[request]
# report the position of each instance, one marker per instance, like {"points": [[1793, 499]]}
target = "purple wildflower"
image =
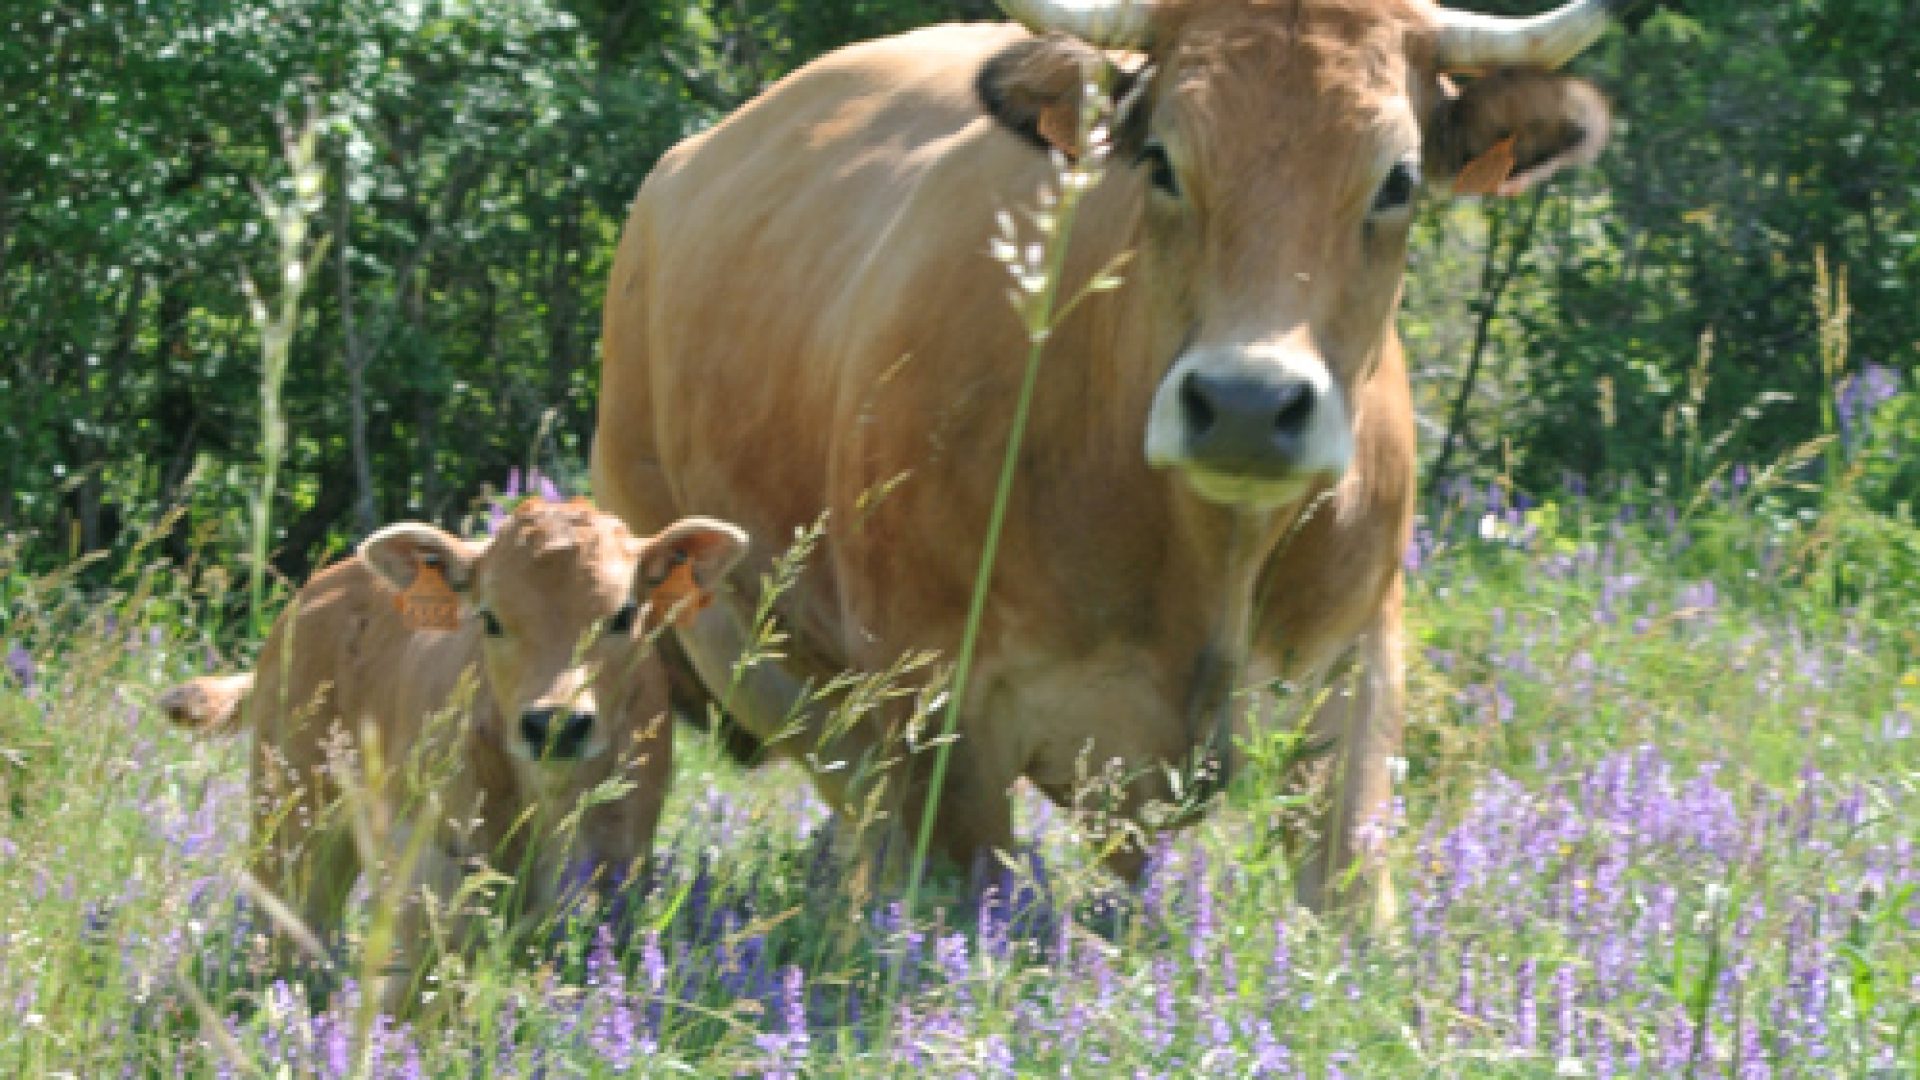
{"points": [[20, 665], [1860, 395], [1270, 1057], [787, 1049], [1526, 1026], [614, 1033], [1566, 1028]]}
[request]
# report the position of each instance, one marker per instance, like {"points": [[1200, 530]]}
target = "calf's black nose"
{"points": [[562, 740]]}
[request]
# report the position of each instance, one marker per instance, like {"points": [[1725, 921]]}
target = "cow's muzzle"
{"points": [[1249, 426], [556, 734]]}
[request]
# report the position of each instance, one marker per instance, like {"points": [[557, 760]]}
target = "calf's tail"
{"points": [[210, 703]]}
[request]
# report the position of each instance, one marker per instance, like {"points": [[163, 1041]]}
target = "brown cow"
{"points": [[804, 316], [499, 700]]}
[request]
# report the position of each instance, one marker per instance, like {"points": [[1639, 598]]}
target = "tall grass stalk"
{"points": [[1832, 309], [277, 319], [1038, 269]]}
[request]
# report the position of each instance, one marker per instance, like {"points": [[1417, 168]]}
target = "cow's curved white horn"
{"points": [[1106, 24], [1468, 40]]}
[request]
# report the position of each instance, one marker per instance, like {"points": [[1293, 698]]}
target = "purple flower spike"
{"points": [[1860, 396], [787, 1049], [20, 665]]}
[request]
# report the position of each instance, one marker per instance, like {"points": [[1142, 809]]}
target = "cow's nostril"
{"points": [[534, 726], [573, 734], [1296, 409], [1194, 406]]}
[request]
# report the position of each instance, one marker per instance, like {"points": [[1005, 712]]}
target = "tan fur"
{"points": [[210, 704], [802, 312], [341, 666]]}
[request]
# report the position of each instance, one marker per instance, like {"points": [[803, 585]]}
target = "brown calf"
{"points": [[468, 697]]}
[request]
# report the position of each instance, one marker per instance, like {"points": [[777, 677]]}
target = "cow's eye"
{"points": [[1159, 168], [622, 620], [490, 623], [1396, 191]]}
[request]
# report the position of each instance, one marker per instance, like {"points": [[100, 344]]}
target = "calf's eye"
{"points": [[622, 620], [490, 623]]}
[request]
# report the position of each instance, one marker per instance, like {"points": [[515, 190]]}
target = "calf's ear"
{"points": [[399, 553], [682, 565], [1511, 129]]}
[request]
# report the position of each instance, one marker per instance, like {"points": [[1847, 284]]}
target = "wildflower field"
{"points": [[1660, 815], [1659, 800]]}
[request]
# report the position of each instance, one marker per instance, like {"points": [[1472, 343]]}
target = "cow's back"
{"points": [[776, 269]]}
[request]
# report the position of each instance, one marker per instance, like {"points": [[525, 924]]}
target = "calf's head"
{"points": [[564, 602], [1273, 150]]}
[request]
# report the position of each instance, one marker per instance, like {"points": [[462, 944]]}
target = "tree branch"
{"points": [[1492, 288]]}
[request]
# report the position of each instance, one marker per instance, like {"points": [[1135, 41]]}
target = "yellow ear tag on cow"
{"points": [[1486, 174], [679, 595], [429, 603]]}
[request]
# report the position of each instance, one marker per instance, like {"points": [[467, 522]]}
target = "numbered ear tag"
{"points": [[1486, 174], [679, 595], [429, 603]]}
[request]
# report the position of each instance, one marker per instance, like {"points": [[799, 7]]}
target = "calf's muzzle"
{"points": [[556, 734]]}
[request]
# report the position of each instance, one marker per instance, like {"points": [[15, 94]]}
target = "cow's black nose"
{"points": [[561, 742], [1245, 422]]}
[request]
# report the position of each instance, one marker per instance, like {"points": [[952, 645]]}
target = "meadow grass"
{"points": [[1659, 817]]}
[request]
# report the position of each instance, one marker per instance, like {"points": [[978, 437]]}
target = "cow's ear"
{"points": [[1511, 129], [682, 565], [1035, 88], [398, 554]]}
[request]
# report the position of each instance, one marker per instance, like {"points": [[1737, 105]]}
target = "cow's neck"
{"points": [[1243, 545]]}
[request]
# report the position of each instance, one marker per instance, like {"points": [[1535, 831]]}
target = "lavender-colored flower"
{"points": [[1270, 1056], [614, 1030], [1566, 1028], [786, 1049], [997, 1056], [1465, 995], [1860, 396], [1699, 596], [951, 954], [1600, 1050], [1676, 1045], [1166, 1010], [20, 665], [1526, 1026]]}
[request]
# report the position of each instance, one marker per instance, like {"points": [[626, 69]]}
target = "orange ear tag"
{"points": [[429, 603], [679, 595], [1486, 174]]}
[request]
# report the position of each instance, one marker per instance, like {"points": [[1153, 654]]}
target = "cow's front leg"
{"points": [[1353, 739]]}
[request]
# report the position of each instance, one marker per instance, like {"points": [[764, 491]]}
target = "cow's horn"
{"points": [[1106, 24], [1471, 41]]}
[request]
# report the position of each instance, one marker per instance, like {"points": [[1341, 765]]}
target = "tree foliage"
{"points": [[479, 158]]}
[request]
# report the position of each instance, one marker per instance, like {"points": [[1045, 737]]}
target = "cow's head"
{"points": [[565, 601], [1277, 147]]}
